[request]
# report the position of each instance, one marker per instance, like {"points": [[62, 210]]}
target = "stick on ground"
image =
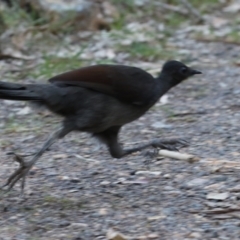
{"points": [[178, 155]]}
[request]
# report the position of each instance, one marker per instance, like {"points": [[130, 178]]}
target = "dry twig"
{"points": [[178, 155]]}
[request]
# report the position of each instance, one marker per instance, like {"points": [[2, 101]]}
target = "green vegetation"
{"points": [[148, 51], [52, 65], [49, 32]]}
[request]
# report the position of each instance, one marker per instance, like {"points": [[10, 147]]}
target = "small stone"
{"points": [[164, 99], [60, 156], [156, 173], [114, 235], [217, 196], [122, 179], [195, 235], [160, 125], [168, 188], [153, 236], [167, 176], [9, 102], [24, 111], [103, 211], [235, 188], [153, 218], [50, 173], [13, 218], [64, 224], [65, 178], [196, 182], [32, 172], [73, 190], [78, 225], [104, 183], [75, 180], [232, 8]]}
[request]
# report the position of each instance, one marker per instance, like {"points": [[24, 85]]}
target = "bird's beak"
{"points": [[193, 72]]}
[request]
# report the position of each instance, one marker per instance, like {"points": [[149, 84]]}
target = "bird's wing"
{"points": [[129, 84]]}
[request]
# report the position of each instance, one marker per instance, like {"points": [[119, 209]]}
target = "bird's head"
{"points": [[177, 72]]}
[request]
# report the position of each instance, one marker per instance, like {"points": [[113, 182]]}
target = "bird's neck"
{"points": [[163, 85]]}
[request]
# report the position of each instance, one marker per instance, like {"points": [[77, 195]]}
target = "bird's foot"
{"points": [[170, 144], [149, 155], [20, 173]]}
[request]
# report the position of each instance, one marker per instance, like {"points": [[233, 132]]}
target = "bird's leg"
{"points": [[110, 137], [24, 167], [169, 144]]}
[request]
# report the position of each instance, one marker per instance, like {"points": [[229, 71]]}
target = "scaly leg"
{"points": [[24, 167], [110, 137]]}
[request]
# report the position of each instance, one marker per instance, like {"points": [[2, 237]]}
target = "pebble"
{"points": [[195, 235], [217, 196]]}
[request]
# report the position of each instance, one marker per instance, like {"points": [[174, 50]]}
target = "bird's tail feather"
{"points": [[14, 91]]}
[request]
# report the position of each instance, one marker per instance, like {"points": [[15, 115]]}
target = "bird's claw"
{"points": [[20, 173], [170, 144]]}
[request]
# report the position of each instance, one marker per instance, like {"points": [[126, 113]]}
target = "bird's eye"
{"points": [[183, 70]]}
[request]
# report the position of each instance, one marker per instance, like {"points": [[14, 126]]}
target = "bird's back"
{"points": [[128, 84]]}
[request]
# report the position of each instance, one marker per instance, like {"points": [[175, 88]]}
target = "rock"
{"points": [[138, 181], [217, 196], [105, 183], [217, 22], [164, 99], [159, 125], [63, 224], [196, 182], [75, 180], [195, 235], [155, 173], [24, 111], [167, 176], [103, 211], [9, 102], [113, 235], [233, 7], [235, 188], [153, 236], [60, 156], [65, 178], [73, 190], [78, 225], [154, 218], [64, 6], [49, 173]]}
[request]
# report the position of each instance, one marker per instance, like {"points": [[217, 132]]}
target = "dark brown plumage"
{"points": [[100, 100]]}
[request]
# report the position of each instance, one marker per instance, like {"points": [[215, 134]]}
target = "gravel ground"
{"points": [[77, 191]]}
